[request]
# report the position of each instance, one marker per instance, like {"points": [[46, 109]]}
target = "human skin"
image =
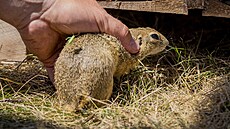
{"points": [[45, 24]]}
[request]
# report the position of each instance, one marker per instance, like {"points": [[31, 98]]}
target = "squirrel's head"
{"points": [[151, 41]]}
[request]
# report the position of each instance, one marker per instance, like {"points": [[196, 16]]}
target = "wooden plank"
{"points": [[209, 7], [11, 46], [216, 8], [164, 6], [195, 4]]}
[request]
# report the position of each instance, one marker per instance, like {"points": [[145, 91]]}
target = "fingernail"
{"points": [[134, 46]]}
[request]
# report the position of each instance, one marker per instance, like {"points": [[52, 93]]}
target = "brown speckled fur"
{"points": [[86, 66]]}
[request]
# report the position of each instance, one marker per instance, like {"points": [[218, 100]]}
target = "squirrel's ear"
{"points": [[139, 39]]}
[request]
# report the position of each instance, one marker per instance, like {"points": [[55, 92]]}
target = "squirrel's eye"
{"points": [[155, 36]]}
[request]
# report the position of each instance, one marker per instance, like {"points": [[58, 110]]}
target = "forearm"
{"points": [[20, 12]]}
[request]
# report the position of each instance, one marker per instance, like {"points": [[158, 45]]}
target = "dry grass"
{"points": [[167, 91]]}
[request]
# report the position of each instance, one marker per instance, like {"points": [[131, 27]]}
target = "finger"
{"points": [[118, 29], [41, 41]]}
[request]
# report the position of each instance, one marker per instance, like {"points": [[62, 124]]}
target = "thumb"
{"points": [[116, 28]]}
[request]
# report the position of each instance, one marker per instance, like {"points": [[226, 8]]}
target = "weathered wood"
{"points": [[195, 4], [216, 8], [164, 6], [11, 46], [209, 7]]}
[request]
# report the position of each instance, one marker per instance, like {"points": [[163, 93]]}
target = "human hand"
{"points": [[45, 33]]}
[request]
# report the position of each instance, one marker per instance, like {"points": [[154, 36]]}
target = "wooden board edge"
{"points": [[163, 6]]}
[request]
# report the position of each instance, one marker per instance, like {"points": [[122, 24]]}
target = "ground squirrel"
{"points": [[86, 66]]}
